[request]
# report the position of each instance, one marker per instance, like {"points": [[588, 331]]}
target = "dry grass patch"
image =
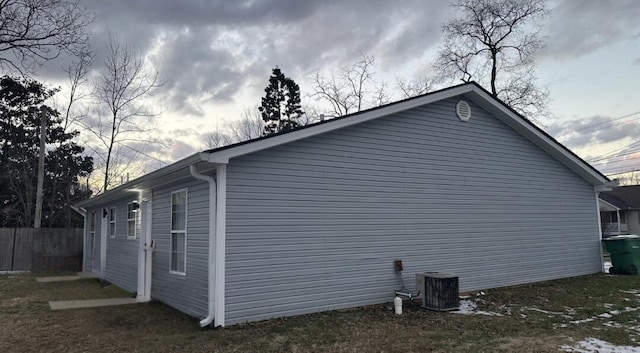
{"points": [[534, 318]]}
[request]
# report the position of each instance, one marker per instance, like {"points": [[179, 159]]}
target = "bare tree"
{"points": [[494, 42], [219, 137], [33, 32], [77, 73], [216, 139], [412, 88], [248, 127], [352, 89], [121, 89]]}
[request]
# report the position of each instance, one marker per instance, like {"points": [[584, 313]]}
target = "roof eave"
{"points": [[338, 123], [141, 182], [472, 91]]}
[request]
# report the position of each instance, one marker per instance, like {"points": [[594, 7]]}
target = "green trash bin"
{"points": [[625, 254]]}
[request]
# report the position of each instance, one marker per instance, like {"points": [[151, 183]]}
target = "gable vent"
{"points": [[463, 110]]}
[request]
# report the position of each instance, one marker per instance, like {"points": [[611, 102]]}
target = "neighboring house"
{"points": [[312, 219], [620, 211]]}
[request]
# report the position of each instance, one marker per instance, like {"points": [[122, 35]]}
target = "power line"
{"points": [[613, 153], [593, 127], [617, 158], [142, 153]]}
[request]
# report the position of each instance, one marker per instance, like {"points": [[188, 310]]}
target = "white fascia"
{"points": [[606, 186]]}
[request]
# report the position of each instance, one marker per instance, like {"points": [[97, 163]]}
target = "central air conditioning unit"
{"points": [[439, 290]]}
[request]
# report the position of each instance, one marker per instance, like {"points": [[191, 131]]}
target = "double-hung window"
{"points": [[179, 231], [132, 219], [112, 222]]}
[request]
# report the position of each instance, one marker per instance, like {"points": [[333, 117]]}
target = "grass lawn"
{"points": [[540, 317]]}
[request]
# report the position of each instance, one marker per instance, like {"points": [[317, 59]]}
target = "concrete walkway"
{"points": [[90, 303], [78, 276]]}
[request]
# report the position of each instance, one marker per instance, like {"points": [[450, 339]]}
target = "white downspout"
{"points": [[83, 213], [212, 243]]}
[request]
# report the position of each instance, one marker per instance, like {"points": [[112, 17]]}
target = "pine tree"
{"points": [[22, 102], [281, 107]]}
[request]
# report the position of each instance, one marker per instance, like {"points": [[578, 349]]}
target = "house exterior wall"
{"points": [[315, 224], [633, 221], [121, 267], [188, 292]]}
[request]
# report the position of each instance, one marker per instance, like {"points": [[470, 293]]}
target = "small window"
{"points": [[112, 222], [623, 217], [132, 220], [179, 231]]}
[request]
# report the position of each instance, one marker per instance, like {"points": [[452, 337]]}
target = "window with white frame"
{"points": [[132, 219], [178, 231], [112, 222]]}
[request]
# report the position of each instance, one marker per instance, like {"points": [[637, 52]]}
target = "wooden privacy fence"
{"points": [[44, 249]]}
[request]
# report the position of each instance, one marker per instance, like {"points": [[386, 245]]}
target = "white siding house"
{"points": [[312, 219]]}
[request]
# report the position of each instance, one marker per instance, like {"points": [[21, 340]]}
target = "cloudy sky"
{"points": [[215, 58]]}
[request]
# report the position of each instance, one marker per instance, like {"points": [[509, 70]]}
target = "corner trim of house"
{"points": [[599, 229], [221, 235], [145, 251]]}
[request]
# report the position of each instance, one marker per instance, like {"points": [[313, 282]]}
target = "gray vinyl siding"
{"points": [[187, 293], [315, 224], [122, 252]]}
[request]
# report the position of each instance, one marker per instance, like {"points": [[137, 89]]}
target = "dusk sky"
{"points": [[215, 58]]}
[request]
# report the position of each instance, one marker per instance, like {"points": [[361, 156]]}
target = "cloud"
{"points": [[180, 150], [577, 28], [593, 130], [209, 51]]}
